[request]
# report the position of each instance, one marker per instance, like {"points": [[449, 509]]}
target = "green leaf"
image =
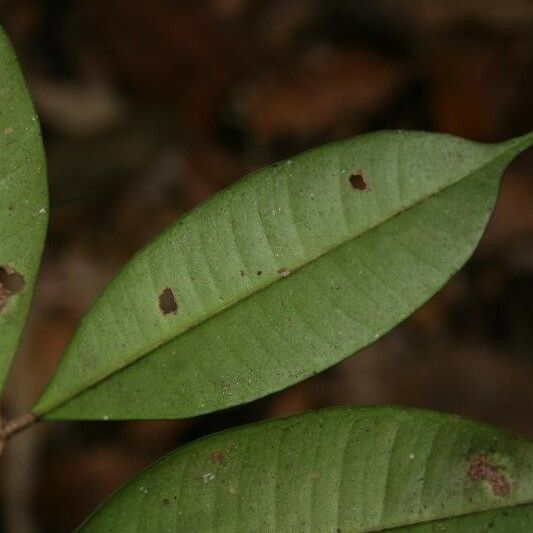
{"points": [[23, 203], [341, 469], [282, 275]]}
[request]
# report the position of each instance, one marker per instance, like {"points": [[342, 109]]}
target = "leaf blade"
{"points": [[353, 469], [23, 203], [255, 247]]}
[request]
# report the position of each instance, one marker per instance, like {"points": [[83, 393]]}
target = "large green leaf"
{"points": [[23, 203], [341, 469], [292, 269]]}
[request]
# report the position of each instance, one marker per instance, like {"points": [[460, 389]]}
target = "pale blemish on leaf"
{"points": [[208, 476]]}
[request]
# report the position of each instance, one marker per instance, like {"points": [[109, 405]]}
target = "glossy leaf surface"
{"points": [[341, 469], [292, 269], [23, 203]]}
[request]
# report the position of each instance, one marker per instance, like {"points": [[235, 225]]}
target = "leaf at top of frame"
{"points": [[290, 270]]}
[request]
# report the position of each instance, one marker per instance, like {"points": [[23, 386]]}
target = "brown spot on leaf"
{"points": [[11, 283], [482, 468], [166, 502], [259, 272], [167, 302], [357, 181], [218, 457]]}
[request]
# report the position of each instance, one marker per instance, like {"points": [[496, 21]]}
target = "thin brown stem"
{"points": [[11, 427]]}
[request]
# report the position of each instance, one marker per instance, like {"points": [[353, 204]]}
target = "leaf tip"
{"points": [[519, 144]]}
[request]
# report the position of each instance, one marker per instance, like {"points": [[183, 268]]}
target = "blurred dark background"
{"points": [[150, 106]]}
